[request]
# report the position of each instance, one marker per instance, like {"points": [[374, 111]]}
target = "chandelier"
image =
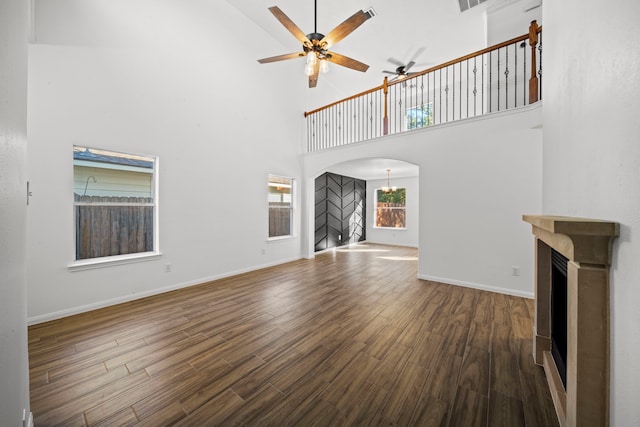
{"points": [[389, 188]]}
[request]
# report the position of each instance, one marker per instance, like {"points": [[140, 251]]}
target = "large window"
{"points": [[391, 209], [114, 203], [420, 116], [280, 206]]}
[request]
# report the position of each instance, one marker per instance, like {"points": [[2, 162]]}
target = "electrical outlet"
{"points": [[167, 268], [515, 270]]}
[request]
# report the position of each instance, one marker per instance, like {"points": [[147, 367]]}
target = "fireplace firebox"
{"points": [[559, 313]]}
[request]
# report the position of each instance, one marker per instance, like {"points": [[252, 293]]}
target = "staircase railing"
{"points": [[500, 77]]}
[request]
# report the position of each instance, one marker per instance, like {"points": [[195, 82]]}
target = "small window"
{"points": [[391, 208], [420, 116], [280, 206], [114, 203]]}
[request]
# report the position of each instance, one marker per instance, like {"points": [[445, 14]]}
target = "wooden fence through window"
{"points": [[107, 226], [392, 215], [279, 219]]}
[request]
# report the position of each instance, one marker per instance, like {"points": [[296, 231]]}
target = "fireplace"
{"points": [[571, 328], [559, 265]]}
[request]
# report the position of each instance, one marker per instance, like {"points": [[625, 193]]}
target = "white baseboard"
{"points": [[126, 298], [473, 285]]}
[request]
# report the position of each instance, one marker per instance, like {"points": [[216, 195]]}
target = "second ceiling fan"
{"points": [[315, 46]]}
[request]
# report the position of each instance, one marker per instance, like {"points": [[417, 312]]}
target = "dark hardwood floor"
{"points": [[350, 338]]}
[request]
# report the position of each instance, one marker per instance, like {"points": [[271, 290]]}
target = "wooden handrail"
{"points": [[357, 95], [534, 30]]}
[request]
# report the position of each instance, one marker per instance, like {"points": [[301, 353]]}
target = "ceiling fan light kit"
{"points": [[315, 45]]}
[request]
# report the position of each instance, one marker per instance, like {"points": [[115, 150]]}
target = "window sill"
{"points": [[390, 228], [275, 239], [93, 263]]}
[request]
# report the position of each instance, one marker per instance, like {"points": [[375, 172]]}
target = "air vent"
{"points": [[468, 4], [370, 12]]}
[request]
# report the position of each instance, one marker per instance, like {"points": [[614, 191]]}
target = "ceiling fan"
{"points": [[402, 70], [315, 46]]}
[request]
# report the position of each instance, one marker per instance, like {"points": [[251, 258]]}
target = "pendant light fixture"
{"points": [[389, 188]]}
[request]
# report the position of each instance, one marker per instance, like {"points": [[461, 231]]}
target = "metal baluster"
{"points": [[460, 93], [506, 77], [482, 86], [446, 92], [440, 85], [490, 80], [475, 85], [540, 65], [515, 75], [421, 96], [429, 102], [453, 101]]}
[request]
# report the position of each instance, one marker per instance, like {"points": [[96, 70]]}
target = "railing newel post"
{"points": [[533, 81], [385, 119]]}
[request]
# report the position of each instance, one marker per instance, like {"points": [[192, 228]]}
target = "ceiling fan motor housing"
{"points": [[316, 45]]}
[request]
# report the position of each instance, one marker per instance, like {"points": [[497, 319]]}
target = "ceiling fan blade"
{"points": [[389, 72], [345, 28], [281, 57], [345, 61], [313, 79], [409, 65], [289, 25], [418, 53], [396, 62]]}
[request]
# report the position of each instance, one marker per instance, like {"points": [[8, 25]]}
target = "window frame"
{"points": [[290, 208], [375, 210], [110, 260]]}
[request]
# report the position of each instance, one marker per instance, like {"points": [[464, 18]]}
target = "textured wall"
{"points": [[591, 163]]}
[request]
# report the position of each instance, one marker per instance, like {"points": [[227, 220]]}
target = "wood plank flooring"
{"points": [[350, 338]]}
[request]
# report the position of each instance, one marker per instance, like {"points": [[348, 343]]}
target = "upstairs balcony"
{"points": [[501, 77]]}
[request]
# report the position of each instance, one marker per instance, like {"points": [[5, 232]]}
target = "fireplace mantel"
{"points": [[581, 240], [587, 244]]}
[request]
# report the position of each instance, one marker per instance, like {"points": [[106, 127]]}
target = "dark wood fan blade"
{"points": [[344, 29], [313, 79], [281, 57], [289, 25], [345, 61]]}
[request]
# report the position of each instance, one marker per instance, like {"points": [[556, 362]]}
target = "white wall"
{"points": [[168, 79], [14, 374], [592, 156], [508, 19], [477, 177], [400, 237]]}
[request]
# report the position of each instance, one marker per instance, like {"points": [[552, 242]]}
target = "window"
{"points": [[280, 206], [391, 208], [114, 203], [420, 116]]}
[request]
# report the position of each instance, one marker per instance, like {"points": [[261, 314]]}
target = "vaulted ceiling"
{"points": [[436, 30]]}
